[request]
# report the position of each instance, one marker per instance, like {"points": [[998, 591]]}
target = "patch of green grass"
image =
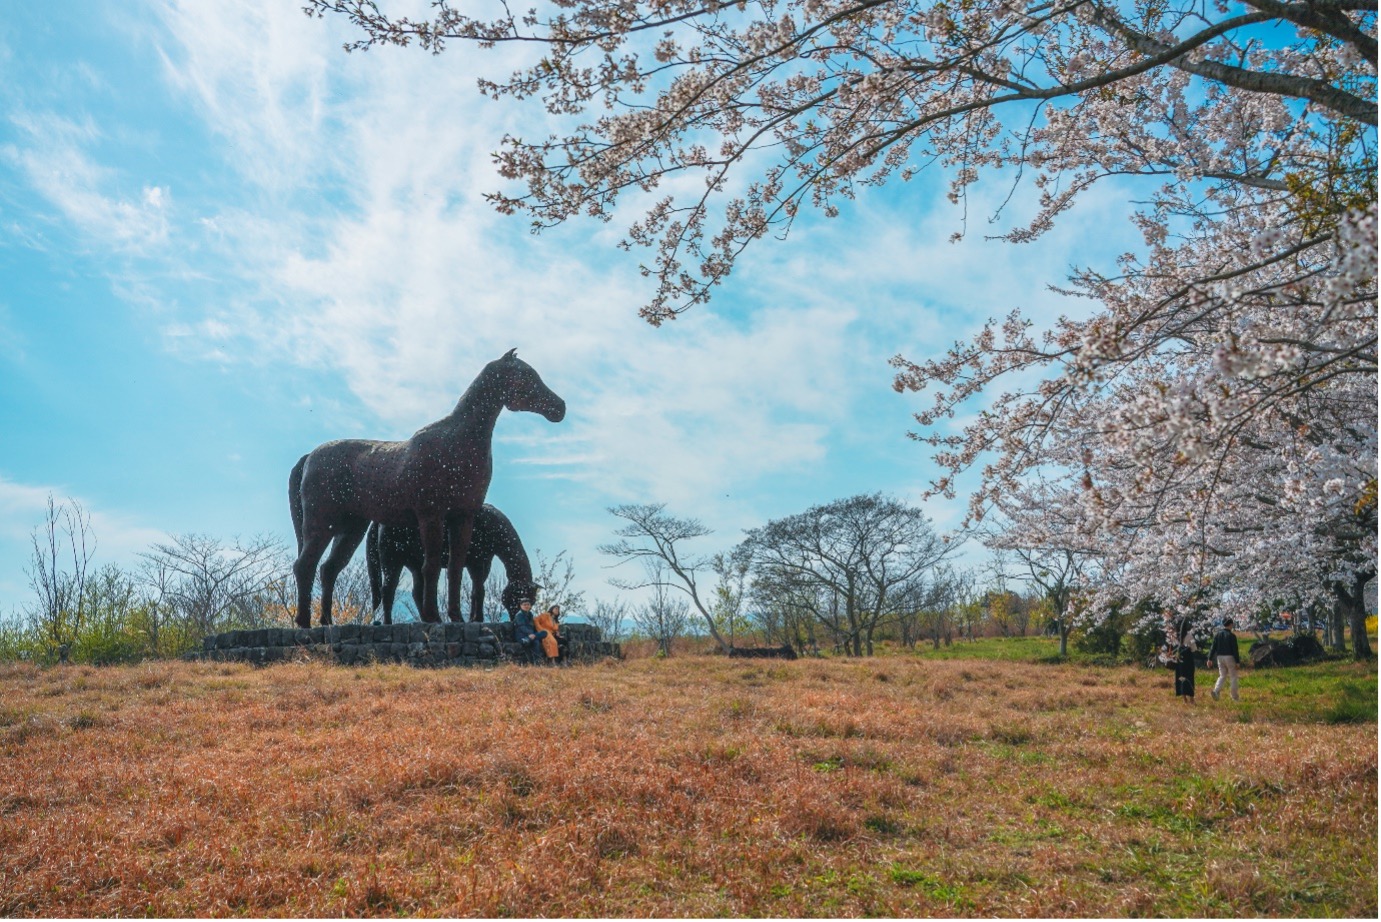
{"points": [[1011, 734], [1054, 800], [1355, 704], [882, 825], [1330, 691], [1010, 649], [950, 893]]}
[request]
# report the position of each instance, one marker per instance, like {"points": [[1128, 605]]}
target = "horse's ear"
{"points": [[511, 353]]}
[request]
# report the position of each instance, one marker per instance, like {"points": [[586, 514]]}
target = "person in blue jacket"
{"points": [[526, 632]]}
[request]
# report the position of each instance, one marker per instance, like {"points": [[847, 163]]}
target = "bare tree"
{"points": [[663, 617], [968, 613], [350, 601], [730, 592], [610, 618], [60, 572], [849, 561], [657, 541], [556, 577], [785, 610], [158, 582], [213, 585], [939, 603]]}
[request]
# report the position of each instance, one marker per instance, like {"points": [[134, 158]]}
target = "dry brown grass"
{"points": [[693, 786]]}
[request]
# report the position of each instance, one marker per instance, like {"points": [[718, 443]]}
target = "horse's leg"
{"points": [[432, 531], [479, 572], [304, 570], [460, 530], [391, 574], [347, 539], [389, 590], [417, 588]]}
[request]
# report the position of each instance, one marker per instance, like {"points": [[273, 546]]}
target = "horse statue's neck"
{"points": [[513, 556], [478, 408]]}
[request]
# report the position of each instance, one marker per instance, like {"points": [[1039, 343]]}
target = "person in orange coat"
{"points": [[549, 621]]}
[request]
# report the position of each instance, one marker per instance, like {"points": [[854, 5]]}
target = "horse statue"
{"points": [[390, 548], [434, 482]]}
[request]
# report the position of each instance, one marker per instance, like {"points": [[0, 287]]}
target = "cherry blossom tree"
{"points": [[1210, 414]]}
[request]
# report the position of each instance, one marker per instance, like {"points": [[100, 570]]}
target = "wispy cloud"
{"points": [[346, 238], [52, 152], [413, 282]]}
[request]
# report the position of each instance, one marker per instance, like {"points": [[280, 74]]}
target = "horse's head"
{"points": [[515, 592], [523, 389]]}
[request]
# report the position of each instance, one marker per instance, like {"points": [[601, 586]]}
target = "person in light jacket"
{"points": [[1224, 653]]}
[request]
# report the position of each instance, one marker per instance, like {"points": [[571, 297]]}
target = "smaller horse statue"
{"points": [[435, 482], [390, 548]]}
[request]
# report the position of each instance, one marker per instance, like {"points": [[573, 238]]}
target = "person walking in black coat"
{"points": [[1224, 653], [1184, 663]]}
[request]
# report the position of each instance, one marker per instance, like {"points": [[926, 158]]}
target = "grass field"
{"points": [[700, 786]]}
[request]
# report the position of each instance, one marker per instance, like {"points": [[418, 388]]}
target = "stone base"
{"points": [[414, 643]]}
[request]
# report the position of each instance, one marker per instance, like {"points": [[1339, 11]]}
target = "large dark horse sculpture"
{"points": [[390, 548], [435, 482]]}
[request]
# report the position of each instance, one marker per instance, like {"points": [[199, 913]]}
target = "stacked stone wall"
{"points": [[414, 643]]}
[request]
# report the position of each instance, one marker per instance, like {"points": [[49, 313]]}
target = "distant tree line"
{"points": [[189, 587], [839, 578], [178, 593]]}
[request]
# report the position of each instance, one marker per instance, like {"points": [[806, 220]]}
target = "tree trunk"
{"points": [[1361, 644], [1353, 601], [1336, 619], [1064, 638]]}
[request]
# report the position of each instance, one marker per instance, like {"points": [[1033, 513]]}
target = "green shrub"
{"points": [[1104, 638], [19, 642]]}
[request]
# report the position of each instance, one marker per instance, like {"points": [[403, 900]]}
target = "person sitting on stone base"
{"points": [[549, 622], [530, 637]]}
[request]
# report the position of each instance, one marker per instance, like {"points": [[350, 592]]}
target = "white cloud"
{"points": [[259, 73], [52, 153], [414, 282], [357, 241]]}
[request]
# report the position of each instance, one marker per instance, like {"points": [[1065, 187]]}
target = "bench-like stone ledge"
{"points": [[415, 643]]}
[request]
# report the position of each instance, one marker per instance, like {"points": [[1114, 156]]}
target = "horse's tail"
{"points": [[295, 498], [375, 566]]}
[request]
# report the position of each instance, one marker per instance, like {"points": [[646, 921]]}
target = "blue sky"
{"points": [[224, 241]]}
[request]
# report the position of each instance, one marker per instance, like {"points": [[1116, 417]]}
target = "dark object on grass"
{"points": [[782, 652], [435, 481], [1292, 651], [390, 548]]}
